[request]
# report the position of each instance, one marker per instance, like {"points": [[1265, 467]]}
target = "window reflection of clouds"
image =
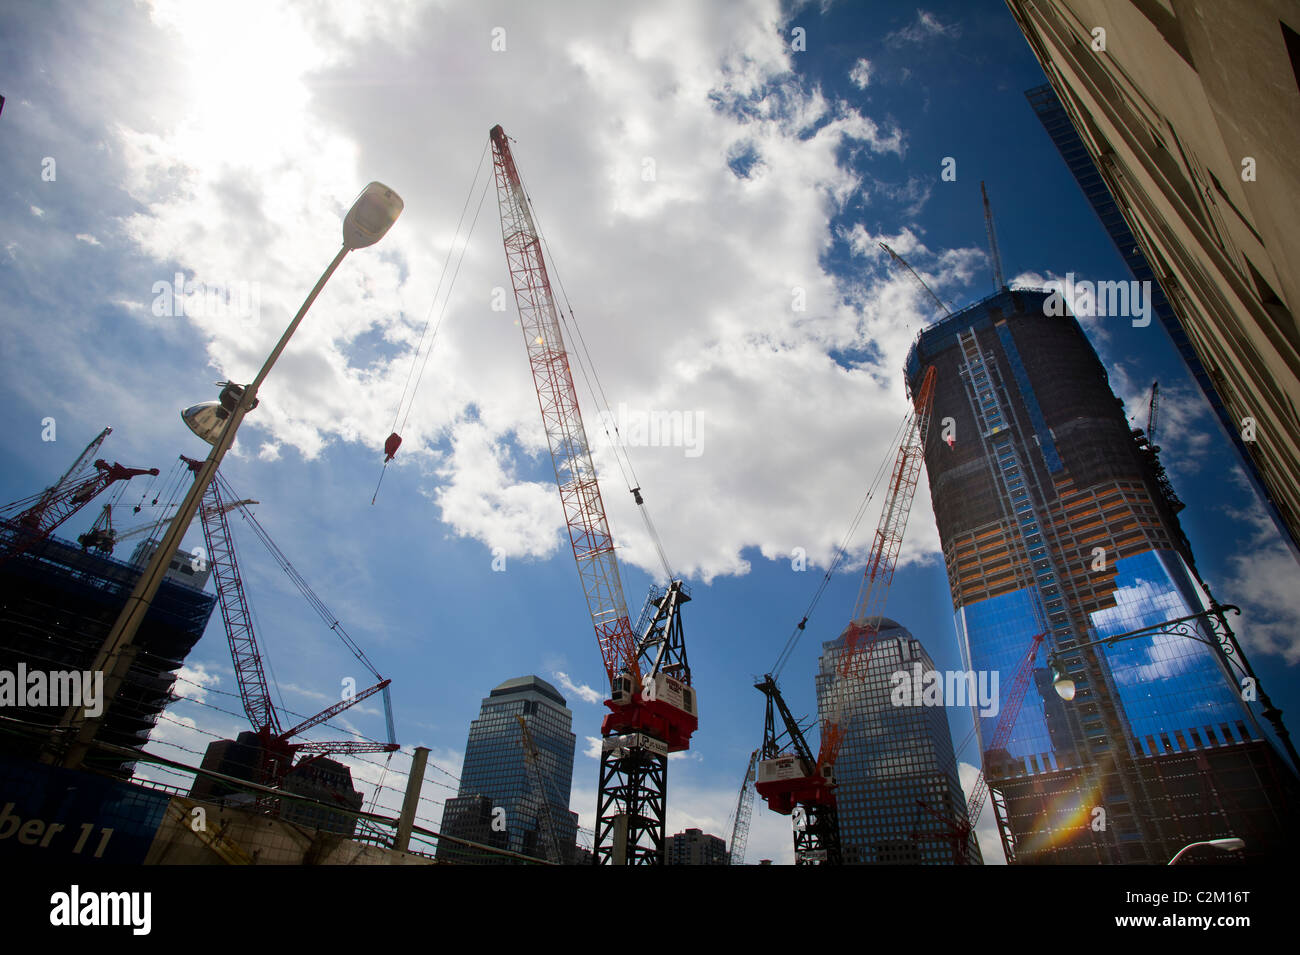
{"points": [[1171, 689]]}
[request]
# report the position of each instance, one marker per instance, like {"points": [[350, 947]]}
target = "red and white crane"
{"points": [[276, 743], [652, 712], [960, 832], [788, 777], [33, 519]]}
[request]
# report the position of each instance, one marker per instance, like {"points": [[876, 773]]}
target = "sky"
{"points": [[712, 181]]}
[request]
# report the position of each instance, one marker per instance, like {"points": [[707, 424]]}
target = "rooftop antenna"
{"points": [[999, 280]]}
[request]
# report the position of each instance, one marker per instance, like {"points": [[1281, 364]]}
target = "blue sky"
{"points": [[226, 142]]}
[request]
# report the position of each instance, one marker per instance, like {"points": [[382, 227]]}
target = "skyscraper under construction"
{"points": [[1056, 518]]}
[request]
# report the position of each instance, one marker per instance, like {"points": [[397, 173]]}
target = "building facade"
{"points": [[1056, 121], [897, 789], [695, 847], [499, 803], [1188, 111], [1056, 519]]}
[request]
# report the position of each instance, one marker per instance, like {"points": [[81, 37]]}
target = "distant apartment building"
{"points": [[695, 847], [1056, 519], [897, 789], [328, 783], [1188, 110], [500, 802]]}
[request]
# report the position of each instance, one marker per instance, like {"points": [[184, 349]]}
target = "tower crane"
{"points": [[744, 814], [653, 712], [276, 743], [788, 777], [30, 520], [961, 832], [999, 280], [105, 538], [1153, 409], [919, 281]]}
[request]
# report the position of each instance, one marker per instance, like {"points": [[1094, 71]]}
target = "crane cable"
{"points": [[582, 355], [390, 448], [298, 581], [840, 553]]}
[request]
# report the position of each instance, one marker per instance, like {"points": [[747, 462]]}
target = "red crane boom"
{"points": [[277, 751], [787, 778], [41, 514], [960, 832], [652, 713], [584, 511]]}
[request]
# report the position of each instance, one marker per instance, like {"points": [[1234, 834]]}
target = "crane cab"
{"points": [[664, 706], [788, 780]]}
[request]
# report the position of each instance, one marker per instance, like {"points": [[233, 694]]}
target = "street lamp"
{"points": [[1223, 845], [372, 214], [1224, 645], [1061, 680]]}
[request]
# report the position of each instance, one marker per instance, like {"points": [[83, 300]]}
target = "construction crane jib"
{"points": [[788, 778], [584, 511], [652, 712]]}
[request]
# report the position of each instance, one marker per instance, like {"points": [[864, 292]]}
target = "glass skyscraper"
{"points": [[1056, 518], [498, 803], [897, 790]]}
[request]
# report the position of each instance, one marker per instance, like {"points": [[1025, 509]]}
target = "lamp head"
{"points": [[371, 216], [1061, 680], [207, 419]]}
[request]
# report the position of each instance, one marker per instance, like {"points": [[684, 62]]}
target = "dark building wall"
{"points": [[1043, 482], [58, 603], [893, 759], [326, 781]]}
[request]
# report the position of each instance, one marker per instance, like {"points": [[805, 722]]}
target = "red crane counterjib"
{"points": [[659, 718], [784, 792]]}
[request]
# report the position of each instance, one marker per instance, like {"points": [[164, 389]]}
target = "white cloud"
{"points": [[755, 366], [582, 691], [860, 75], [37, 211], [195, 680], [925, 27], [593, 747], [1261, 581]]}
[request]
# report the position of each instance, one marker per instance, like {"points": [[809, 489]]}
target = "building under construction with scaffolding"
{"points": [[1055, 517], [57, 604]]}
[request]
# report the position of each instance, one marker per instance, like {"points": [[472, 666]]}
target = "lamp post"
{"points": [[371, 216], [1232, 844], [1224, 645]]}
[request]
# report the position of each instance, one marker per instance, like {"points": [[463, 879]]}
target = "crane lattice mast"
{"points": [[744, 813], [32, 520], [652, 713], [999, 280], [546, 828], [277, 745]]}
